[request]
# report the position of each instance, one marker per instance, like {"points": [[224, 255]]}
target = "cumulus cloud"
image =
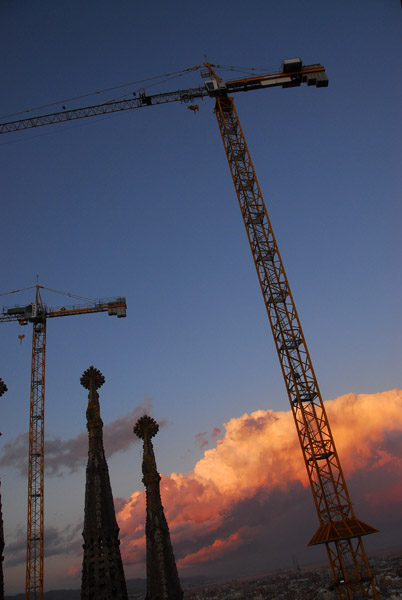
{"points": [[250, 494], [72, 454], [247, 507]]}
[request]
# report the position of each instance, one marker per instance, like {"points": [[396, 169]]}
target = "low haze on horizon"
{"points": [[141, 204]]}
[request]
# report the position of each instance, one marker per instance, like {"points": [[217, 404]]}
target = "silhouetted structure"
{"points": [[3, 389], [102, 568], [162, 577]]}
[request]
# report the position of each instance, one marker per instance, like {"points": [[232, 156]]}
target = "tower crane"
{"points": [[38, 313], [339, 529]]}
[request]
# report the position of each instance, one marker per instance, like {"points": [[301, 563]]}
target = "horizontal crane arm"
{"points": [[104, 109], [118, 308], [33, 312], [293, 74]]}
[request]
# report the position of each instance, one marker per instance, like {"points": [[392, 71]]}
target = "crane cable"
{"points": [[247, 70], [42, 287], [31, 287], [169, 76], [162, 78]]}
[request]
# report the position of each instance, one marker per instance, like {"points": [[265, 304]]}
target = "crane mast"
{"points": [[37, 313], [35, 525], [339, 528]]}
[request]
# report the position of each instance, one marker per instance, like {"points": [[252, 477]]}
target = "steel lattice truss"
{"points": [[34, 568], [104, 109], [339, 529]]}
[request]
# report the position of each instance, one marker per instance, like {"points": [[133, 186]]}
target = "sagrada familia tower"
{"points": [[102, 569], [162, 577]]}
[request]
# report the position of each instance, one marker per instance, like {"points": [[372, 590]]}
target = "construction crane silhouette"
{"points": [[339, 529], [38, 313]]}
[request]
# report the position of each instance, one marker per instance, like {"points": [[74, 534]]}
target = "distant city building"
{"points": [[102, 568], [162, 578]]}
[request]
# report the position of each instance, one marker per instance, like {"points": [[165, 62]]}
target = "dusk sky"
{"points": [[141, 204]]}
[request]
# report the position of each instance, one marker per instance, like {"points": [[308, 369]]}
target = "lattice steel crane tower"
{"points": [[37, 313], [339, 529]]}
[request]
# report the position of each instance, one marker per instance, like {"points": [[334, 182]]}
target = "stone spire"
{"points": [[102, 567], [3, 389], [162, 577]]}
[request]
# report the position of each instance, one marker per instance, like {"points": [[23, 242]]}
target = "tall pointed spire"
{"points": [[102, 568], [3, 389], [162, 577]]}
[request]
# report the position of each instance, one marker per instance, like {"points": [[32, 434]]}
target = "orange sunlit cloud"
{"points": [[73, 571], [211, 552], [256, 470]]}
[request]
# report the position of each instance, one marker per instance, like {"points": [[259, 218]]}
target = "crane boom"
{"points": [[37, 313], [293, 74]]}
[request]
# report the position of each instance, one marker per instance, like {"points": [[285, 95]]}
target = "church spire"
{"points": [[162, 577], [102, 568]]}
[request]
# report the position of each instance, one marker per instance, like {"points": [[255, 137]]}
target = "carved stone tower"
{"points": [[102, 568], [3, 389], [162, 577]]}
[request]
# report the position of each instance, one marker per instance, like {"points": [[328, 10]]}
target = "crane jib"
{"points": [[293, 74]]}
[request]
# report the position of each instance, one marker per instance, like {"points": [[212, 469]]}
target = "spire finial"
{"points": [[146, 424], [92, 374], [3, 387]]}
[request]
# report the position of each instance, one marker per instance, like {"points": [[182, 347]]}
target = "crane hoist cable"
{"points": [[163, 78]]}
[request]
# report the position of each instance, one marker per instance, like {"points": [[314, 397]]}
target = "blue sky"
{"points": [[142, 204]]}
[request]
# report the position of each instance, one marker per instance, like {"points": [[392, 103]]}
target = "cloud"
{"points": [[212, 551], [56, 541], [216, 432], [72, 454], [201, 439], [74, 571], [249, 496], [247, 507]]}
